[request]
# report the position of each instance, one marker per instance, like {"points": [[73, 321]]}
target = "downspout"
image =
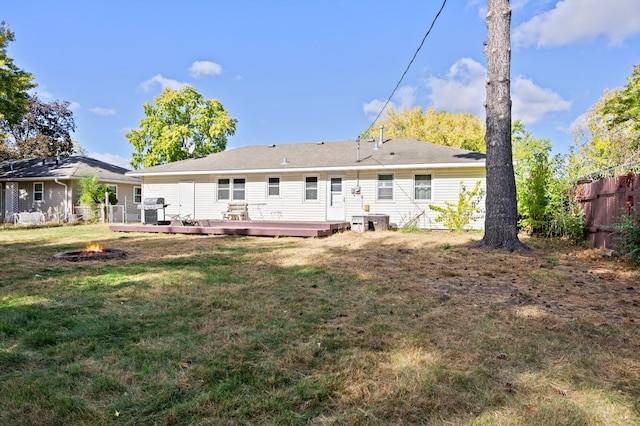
{"points": [[66, 200]]}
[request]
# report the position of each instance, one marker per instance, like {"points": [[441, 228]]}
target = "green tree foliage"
{"points": [[180, 125], [44, 131], [14, 85], [14, 82], [456, 216], [459, 130], [533, 172], [626, 235], [623, 108], [546, 201], [607, 142], [92, 192]]}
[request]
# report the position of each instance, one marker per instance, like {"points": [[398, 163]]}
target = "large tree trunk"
{"points": [[501, 220]]}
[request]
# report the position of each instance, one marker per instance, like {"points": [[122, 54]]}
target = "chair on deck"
{"points": [[236, 211]]}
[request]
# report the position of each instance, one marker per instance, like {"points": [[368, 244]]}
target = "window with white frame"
{"points": [[38, 191], [311, 188], [273, 187], [422, 187], [137, 194], [231, 189], [238, 189], [223, 189], [385, 187]]}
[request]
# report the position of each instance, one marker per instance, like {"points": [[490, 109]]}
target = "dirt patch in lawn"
{"points": [[555, 279]]}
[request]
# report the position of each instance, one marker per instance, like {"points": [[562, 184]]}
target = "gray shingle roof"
{"points": [[64, 167], [398, 153]]}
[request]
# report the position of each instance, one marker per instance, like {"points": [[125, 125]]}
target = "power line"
{"points": [[408, 66]]}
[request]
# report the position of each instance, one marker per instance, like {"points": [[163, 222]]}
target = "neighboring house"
{"points": [[51, 185], [331, 181]]}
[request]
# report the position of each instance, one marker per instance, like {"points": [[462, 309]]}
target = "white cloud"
{"points": [[73, 105], [463, 90], [200, 68], [532, 102], [404, 98], [576, 20], [111, 159], [103, 111], [163, 83]]}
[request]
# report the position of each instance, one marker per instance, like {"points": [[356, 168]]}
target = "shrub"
{"points": [[457, 216], [626, 235]]}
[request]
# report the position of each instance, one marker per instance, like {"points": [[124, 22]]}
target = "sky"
{"points": [[316, 70]]}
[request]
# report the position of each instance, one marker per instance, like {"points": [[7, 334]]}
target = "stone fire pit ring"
{"points": [[82, 255]]}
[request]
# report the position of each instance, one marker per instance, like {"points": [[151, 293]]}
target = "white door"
{"points": [[335, 198], [186, 196]]}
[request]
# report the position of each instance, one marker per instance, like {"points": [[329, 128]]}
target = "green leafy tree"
{"points": [[44, 131], [92, 192], [623, 108], [14, 85], [180, 125], [458, 130], [533, 172], [456, 216]]}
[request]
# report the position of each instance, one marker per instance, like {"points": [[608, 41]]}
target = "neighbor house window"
{"points": [[137, 194], [385, 187], [238, 189], [311, 188], [223, 189], [114, 190], [422, 187], [38, 191], [273, 187]]}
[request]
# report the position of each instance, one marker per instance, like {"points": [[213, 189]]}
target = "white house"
{"points": [[325, 181]]}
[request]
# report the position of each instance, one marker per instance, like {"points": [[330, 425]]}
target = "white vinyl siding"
{"points": [[291, 205]]}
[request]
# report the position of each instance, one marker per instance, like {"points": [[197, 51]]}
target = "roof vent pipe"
{"points": [[381, 135]]}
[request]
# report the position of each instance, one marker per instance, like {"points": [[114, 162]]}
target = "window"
{"points": [[137, 194], [273, 187], [385, 187], [422, 187], [238, 189], [114, 189], [311, 188], [38, 191], [223, 189], [231, 189]]}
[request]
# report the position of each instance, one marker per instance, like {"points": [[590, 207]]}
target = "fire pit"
{"points": [[91, 252]]}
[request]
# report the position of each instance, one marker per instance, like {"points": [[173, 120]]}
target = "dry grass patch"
{"points": [[373, 328]]}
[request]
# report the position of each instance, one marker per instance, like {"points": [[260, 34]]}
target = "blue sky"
{"points": [[310, 71]]}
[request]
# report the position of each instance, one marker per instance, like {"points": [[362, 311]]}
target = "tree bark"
{"points": [[501, 220]]}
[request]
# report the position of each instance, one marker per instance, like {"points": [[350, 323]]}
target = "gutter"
{"points": [[309, 169], [66, 197]]}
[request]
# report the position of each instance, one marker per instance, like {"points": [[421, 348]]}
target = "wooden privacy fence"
{"points": [[603, 202]]}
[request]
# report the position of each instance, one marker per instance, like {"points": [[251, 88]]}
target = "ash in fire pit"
{"points": [[91, 252]]}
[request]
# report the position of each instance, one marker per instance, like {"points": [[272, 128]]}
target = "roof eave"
{"points": [[480, 164]]}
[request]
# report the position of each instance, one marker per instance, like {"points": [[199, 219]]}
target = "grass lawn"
{"points": [[376, 328]]}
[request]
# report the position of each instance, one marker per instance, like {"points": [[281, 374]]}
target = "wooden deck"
{"points": [[240, 227]]}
